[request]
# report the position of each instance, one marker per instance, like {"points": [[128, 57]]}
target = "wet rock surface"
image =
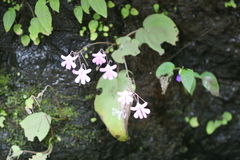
{"points": [[210, 36]]}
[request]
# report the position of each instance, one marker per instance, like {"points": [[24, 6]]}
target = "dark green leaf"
{"points": [[9, 18], [127, 46], [210, 82], [158, 28], [165, 68], [99, 6]]}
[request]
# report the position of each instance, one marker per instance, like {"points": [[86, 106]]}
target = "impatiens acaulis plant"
{"points": [[36, 124]]}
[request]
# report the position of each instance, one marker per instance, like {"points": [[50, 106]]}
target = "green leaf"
{"points": [[29, 103], [194, 122], [127, 46], [125, 12], [110, 4], [165, 68], [16, 151], [34, 28], [231, 3], [44, 15], [1, 121], [36, 41], [224, 122], [158, 28], [17, 7], [210, 127], [156, 7], [96, 16], [134, 11], [55, 5], [85, 6], [210, 82], [25, 40], [78, 12], [99, 6], [188, 80], [36, 125], [39, 156], [92, 25], [17, 28], [93, 36], [108, 107], [196, 75], [128, 6], [227, 116], [9, 18]]}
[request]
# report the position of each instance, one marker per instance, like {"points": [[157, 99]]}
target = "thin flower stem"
{"points": [[131, 33], [94, 44]]}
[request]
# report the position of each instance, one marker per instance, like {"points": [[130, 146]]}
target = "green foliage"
{"points": [[110, 4], [157, 28], [25, 40], [99, 6], [212, 125], [231, 3], [55, 5], [188, 80], [127, 46], [78, 12], [194, 122], [39, 156], [85, 6], [210, 82], [127, 10], [36, 125], [29, 103], [1, 121], [17, 28], [156, 7], [16, 151], [108, 107], [165, 68], [44, 15], [9, 18]]}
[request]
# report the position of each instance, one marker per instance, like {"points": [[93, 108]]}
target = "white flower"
{"points": [[99, 58], [68, 61], [82, 75], [141, 111], [109, 73], [125, 98]]}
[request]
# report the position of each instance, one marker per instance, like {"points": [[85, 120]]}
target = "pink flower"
{"points": [[141, 111], [68, 61], [99, 58], [82, 75], [109, 73], [125, 98]]}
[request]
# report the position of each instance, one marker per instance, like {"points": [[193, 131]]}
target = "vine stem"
{"points": [[131, 33], [94, 44]]}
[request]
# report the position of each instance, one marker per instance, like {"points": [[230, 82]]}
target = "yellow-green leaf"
{"points": [[1, 121], [85, 6], [44, 15], [99, 6], [36, 125], [17, 28], [25, 40], [109, 109], [78, 12], [9, 18], [55, 5]]}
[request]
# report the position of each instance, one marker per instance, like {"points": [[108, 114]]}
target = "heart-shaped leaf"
{"points": [[109, 109], [157, 28], [99, 6], [36, 125]]}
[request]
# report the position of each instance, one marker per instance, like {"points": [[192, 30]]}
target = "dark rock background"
{"points": [[210, 36]]}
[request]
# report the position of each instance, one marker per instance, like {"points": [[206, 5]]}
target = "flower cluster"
{"points": [[126, 98], [82, 77]]}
